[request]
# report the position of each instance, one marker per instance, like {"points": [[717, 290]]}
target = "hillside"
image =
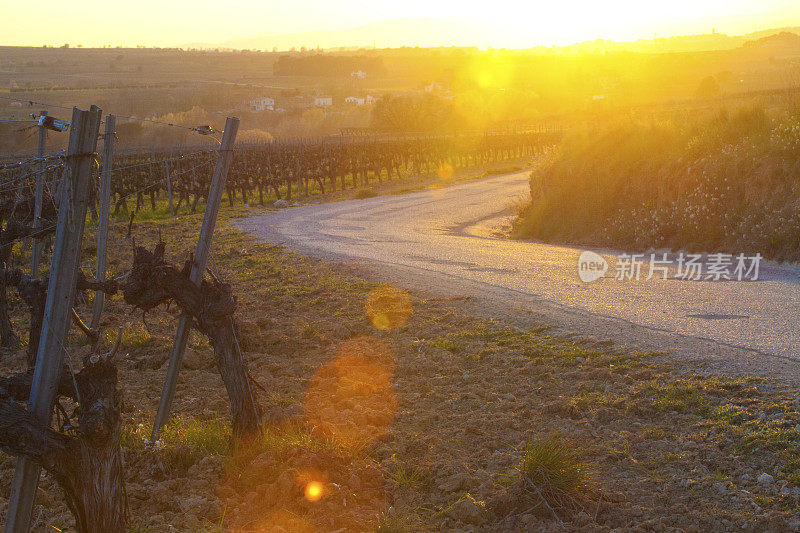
{"points": [[782, 41]]}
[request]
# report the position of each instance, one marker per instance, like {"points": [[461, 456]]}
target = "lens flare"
{"points": [[491, 73], [314, 491], [283, 520], [350, 400], [388, 307], [445, 171]]}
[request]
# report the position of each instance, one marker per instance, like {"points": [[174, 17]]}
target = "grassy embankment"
{"points": [[728, 182]]}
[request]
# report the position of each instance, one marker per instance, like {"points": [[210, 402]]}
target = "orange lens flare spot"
{"points": [[350, 400], [388, 307], [282, 519], [445, 171], [314, 491]]}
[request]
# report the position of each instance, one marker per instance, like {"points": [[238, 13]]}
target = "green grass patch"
{"points": [[367, 192], [405, 476], [447, 343], [680, 395], [183, 441], [497, 171], [555, 471]]}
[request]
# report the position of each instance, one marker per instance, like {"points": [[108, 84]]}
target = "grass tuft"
{"points": [[554, 471], [184, 441], [367, 192], [206, 437]]}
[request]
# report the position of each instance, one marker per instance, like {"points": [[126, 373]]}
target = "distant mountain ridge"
{"points": [[691, 43], [432, 33], [392, 33], [784, 39]]}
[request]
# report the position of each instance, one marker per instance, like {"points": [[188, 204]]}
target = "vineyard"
{"points": [[45, 207], [289, 170], [46, 202]]}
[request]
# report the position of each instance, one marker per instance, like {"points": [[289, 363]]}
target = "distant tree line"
{"points": [[414, 113], [327, 65]]}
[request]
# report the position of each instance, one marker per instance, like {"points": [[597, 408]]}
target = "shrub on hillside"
{"points": [[729, 182]]}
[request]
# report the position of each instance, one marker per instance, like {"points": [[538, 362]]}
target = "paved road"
{"points": [[441, 240]]}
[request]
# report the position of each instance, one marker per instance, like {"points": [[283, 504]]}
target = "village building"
{"points": [[360, 100], [434, 87], [262, 104]]}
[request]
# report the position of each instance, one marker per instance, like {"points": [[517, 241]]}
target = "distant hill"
{"points": [[383, 34], [681, 43], [766, 33], [779, 37], [432, 33], [783, 40]]}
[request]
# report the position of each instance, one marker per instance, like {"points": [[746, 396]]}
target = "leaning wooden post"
{"points": [[74, 189], [169, 190], [36, 249], [198, 269], [105, 210]]}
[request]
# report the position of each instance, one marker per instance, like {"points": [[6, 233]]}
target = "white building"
{"points": [[433, 87], [358, 74], [323, 101], [361, 100], [262, 104]]}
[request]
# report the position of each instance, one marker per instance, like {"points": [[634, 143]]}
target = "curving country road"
{"points": [[441, 240]]}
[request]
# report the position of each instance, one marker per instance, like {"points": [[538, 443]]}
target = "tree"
{"points": [[709, 88], [412, 113]]}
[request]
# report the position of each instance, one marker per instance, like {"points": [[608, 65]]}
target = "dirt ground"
{"points": [[395, 411]]}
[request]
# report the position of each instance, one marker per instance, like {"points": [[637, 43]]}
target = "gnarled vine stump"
{"points": [[87, 465], [152, 282]]}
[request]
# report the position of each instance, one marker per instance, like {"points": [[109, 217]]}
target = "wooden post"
{"points": [[169, 190], [152, 189], [36, 249], [58, 307], [198, 269], [105, 212]]}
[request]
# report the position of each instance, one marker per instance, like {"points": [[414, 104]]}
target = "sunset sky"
{"points": [[503, 23]]}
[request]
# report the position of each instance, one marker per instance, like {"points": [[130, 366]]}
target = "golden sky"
{"points": [[498, 23]]}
